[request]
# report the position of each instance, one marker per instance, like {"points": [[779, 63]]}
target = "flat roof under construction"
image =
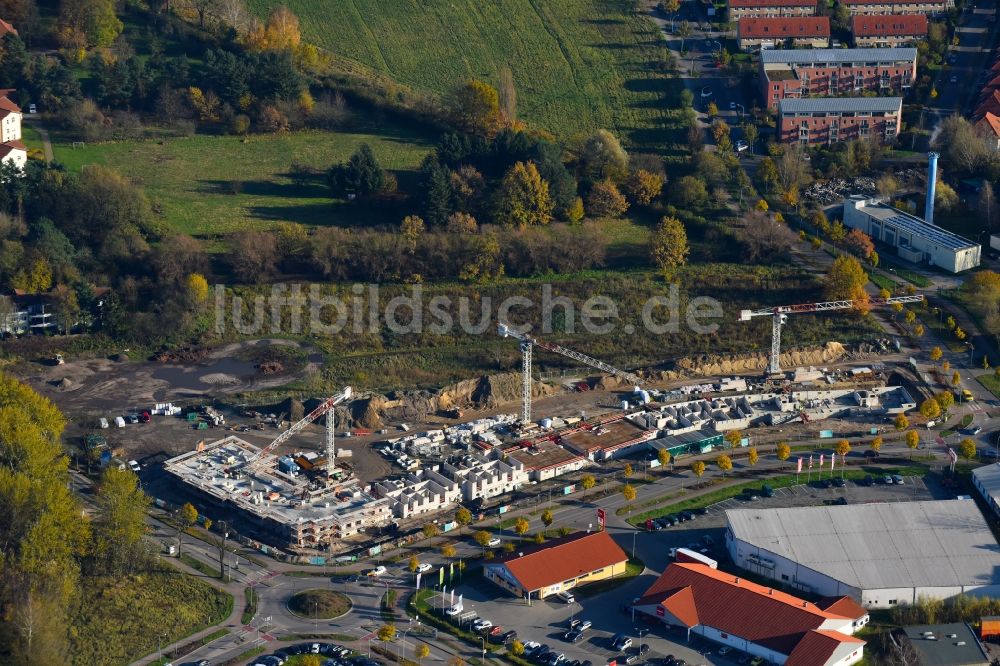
{"points": [[606, 436], [267, 491]]}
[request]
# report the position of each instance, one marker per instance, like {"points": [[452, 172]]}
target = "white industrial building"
{"points": [[914, 239], [881, 554], [986, 480]]}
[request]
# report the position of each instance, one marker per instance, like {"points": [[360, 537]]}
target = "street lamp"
{"points": [[634, 534], [641, 633], [742, 108]]}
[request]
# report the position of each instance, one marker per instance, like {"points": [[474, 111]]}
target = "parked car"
{"points": [[630, 658], [620, 642], [493, 543], [481, 625], [839, 483], [643, 648], [566, 597], [887, 479], [454, 610], [425, 567], [701, 511], [975, 430], [868, 480], [586, 624], [767, 491], [376, 572], [897, 479], [725, 649], [741, 145], [134, 466], [706, 92], [687, 515], [531, 647], [573, 636]]}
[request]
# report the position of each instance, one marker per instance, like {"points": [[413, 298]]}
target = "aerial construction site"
{"points": [[313, 501]]}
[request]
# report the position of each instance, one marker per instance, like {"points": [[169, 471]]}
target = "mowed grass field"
{"points": [[578, 64], [216, 185]]}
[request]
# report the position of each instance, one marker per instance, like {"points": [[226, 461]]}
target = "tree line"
{"points": [[48, 547]]}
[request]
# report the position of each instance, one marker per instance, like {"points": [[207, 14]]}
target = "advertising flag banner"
{"points": [[799, 470], [821, 460], [810, 462]]}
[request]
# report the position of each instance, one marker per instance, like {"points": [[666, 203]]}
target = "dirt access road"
{"points": [[103, 386]]}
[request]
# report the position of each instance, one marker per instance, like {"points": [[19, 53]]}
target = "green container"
{"points": [[202, 425], [192, 416]]}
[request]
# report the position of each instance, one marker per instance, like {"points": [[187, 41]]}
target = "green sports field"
{"points": [[577, 64]]}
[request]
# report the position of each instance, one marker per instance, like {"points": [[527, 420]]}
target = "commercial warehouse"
{"points": [[914, 239], [881, 555], [986, 480]]}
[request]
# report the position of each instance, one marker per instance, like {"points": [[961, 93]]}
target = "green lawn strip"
{"points": [[187, 648], [991, 383], [633, 568], [250, 608], [198, 565], [774, 482]]}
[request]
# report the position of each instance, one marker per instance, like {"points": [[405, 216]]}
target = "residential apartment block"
{"points": [[796, 31], [881, 31], [738, 9], [832, 72], [12, 151], [927, 7], [480, 478], [828, 120]]}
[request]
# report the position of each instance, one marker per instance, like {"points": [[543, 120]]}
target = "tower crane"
{"points": [[325, 407], [779, 315], [527, 342]]}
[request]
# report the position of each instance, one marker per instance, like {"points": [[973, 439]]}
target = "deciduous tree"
{"points": [[724, 463], [967, 448], [846, 280], [783, 451], [522, 199], [669, 246], [604, 200], [477, 108], [698, 467]]}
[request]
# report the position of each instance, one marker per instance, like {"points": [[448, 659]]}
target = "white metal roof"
{"points": [[916, 226], [881, 545], [988, 478]]}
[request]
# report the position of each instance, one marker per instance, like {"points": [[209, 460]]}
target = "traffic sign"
{"points": [[600, 517]]}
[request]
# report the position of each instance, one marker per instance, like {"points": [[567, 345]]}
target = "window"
{"points": [[784, 576], [721, 635], [892, 602]]}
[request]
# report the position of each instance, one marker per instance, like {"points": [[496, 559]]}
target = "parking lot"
{"points": [[547, 621]]}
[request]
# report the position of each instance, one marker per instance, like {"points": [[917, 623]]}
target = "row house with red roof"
{"points": [[755, 32], [887, 31]]}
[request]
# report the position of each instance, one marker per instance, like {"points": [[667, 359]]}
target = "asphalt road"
{"points": [[958, 83]]}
